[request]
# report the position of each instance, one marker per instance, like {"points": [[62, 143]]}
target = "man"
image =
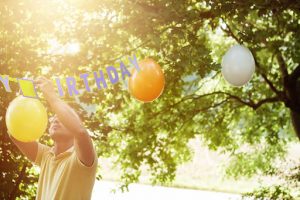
{"points": [[68, 169]]}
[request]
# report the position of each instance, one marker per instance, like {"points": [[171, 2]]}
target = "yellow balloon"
{"points": [[26, 119]]}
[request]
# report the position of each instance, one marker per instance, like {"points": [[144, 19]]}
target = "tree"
{"points": [[188, 39]]}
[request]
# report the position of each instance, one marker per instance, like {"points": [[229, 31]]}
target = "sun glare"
{"points": [[69, 48]]}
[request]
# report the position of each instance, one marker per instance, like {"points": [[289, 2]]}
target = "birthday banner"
{"points": [[28, 89]]}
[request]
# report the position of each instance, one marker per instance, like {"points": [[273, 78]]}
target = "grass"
{"points": [[203, 172]]}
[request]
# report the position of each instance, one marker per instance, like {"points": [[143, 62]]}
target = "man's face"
{"points": [[57, 130]]}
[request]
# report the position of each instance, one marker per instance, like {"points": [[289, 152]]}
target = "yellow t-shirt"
{"points": [[63, 177]]}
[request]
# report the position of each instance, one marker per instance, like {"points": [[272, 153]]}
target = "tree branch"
{"points": [[283, 69], [279, 93], [282, 65], [249, 103], [230, 33], [295, 75], [270, 84], [267, 100], [227, 94]]}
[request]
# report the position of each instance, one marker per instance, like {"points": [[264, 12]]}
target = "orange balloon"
{"points": [[147, 84]]}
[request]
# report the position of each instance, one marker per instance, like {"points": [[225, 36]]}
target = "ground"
{"points": [[103, 190]]}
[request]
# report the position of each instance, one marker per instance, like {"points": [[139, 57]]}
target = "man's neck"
{"points": [[60, 147]]}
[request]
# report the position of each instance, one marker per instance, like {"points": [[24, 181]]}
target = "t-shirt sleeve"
{"points": [[42, 149], [82, 166]]}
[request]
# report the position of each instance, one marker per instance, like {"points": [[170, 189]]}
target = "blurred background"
{"points": [[201, 133]]}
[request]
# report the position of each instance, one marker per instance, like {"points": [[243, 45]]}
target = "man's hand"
{"points": [[47, 88]]}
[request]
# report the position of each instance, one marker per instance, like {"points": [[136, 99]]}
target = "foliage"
{"points": [[288, 190], [273, 192], [188, 39]]}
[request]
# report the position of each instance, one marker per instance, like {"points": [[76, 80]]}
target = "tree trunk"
{"points": [[295, 116], [294, 95]]}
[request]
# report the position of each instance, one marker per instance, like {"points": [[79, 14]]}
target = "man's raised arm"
{"points": [[69, 118]]}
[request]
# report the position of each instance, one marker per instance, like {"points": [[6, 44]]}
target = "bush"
{"points": [[288, 190]]}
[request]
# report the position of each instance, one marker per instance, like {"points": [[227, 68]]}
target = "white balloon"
{"points": [[238, 65]]}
